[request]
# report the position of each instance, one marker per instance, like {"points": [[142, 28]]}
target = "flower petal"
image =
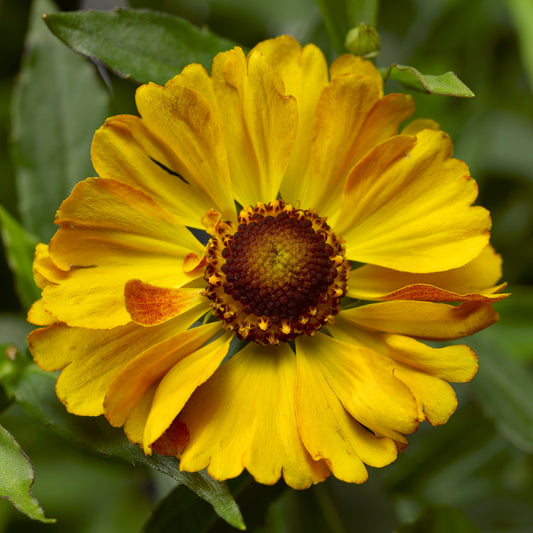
{"points": [[457, 363], [403, 197], [473, 281], [423, 369], [304, 73], [423, 320], [244, 417], [364, 382], [330, 433], [259, 123], [126, 150], [39, 316], [90, 359], [436, 398], [179, 383], [45, 271], [149, 305], [341, 111], [106, 228], [136, 422], [189, 124], [350, 64], [150, 365]]}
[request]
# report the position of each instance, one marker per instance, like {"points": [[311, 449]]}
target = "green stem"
{"points": [[362, 11]]}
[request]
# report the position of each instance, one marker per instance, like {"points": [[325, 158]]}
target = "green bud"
{"points": [[363, 40]]}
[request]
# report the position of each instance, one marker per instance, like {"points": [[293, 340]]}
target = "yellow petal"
{"points": [[122, 213], [304, 73], [244, 417], [188, 123], [45, 271], [423, 369], [402, 197], [150, 365], [457, 363], [341, 111], [259, 123], [383, 122], [179, 383], [126, 150], [39, 316], [149, 305], [436, 398], [106, 227], [136, 422], [424, 320], [473, 281], [363, 380], [90, 359], [330, 433], [416, 126], [350, 64]]}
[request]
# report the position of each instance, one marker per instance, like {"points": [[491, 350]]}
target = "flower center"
{"points": [[280, 274]]}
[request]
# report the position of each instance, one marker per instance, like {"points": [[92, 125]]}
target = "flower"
{"points": [[291, 343]]}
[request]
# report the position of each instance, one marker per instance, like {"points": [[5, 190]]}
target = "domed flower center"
{"points": [[280, 274]]}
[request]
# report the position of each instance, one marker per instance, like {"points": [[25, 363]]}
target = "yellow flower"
{"points": [[333, 244]]}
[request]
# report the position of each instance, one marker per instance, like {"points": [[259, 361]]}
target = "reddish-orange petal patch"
{"points": [[149, 305]]}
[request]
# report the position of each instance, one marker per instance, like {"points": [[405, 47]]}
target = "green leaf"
{"points": [[58, 102], [20, 248], [503, 387], [447, 84], [36, 394], [522, 14], [17, 477], [181, 511], [342, 15], [137, 43], [13, 330]]}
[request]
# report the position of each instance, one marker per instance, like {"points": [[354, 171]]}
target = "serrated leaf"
{"points": [[58, 103], [20, 247], [35, 392], [342, 15], [17, 477], [447, 84], [137, 43], [503, 387]]}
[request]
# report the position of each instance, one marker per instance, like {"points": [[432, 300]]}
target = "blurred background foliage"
{"points": [[473, 474]]}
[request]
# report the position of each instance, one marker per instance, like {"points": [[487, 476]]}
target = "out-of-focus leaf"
{"points": [[504, 388], [447, 84], [35, 393], [513, 333], [136, 43], [58, 102], [181, 510], [13, 330], [17, 477], [342, 15], [441, 520], [20, 247], [522, 13]]}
